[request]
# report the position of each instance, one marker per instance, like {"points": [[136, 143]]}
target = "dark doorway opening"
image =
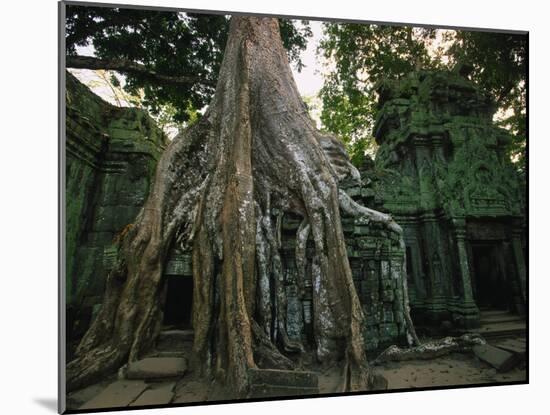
{"points": [[179, 301], [490, 286]]}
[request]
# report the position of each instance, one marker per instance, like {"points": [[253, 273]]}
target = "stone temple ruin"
{"points": [[441, 170], [111, 155]]}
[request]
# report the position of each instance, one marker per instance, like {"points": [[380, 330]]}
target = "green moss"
{"points": [[111, 156]]}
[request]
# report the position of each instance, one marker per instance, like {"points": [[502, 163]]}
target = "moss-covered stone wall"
{"points": [[111, 154], [376, 261]]}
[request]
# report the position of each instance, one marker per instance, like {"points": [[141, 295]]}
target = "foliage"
{"points": [[359, 56], [174, 44], [499, 62], [362, 55]]}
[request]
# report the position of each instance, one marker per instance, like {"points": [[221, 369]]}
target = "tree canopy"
{"points": [[172, 60], [172, 57], [362, 55]]}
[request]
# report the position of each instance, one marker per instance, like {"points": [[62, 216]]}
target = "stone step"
{"points": [[516, 346], [272, 383], [502, 330], [157, 368], [491, 312], [272, 391], [174, 340], [181, 353], [501, 360], [499, 318], [181, 335]]}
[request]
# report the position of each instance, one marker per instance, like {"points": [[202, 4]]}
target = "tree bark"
{"points": [[221, 189], [130, 67]]}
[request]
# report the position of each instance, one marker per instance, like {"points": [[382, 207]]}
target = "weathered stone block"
{"points": [[500, 359], [388, 295], [124, 134], [386, 284], [290, 224], [179, 265], [295, 323], [370, 319], [169, 340], [100, 239], [515, 346], [371, 337], [157, 368], [159, 394], [118, 394], [110, 254], [270, 391], [104, 219], [388, 317], [367, 243], [364, 286], [109, 194], [361, 230], [385, 269], [388, 331], [353, 191]]}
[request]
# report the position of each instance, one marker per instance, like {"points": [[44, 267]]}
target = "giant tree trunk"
{"points": [[221, 189]]}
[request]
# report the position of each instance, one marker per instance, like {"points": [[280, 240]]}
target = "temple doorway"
{"points": [[490, 285], [178, 302]]}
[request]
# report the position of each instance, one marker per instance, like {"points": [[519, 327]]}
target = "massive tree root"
{"points": [[221, 189], [431, 350]]}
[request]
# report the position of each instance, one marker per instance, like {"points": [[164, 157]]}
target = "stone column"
{"points": [[509, 270], [469, 308], [520, 262], [438, 301], [425, 173], [439, 155]]}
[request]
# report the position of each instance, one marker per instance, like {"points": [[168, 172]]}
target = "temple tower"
{"points": [[443, 171]]}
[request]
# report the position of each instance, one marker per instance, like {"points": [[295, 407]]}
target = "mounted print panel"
{"points": [[259, 207]]}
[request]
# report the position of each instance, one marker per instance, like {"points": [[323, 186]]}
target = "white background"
{"points": [[28, 204]]}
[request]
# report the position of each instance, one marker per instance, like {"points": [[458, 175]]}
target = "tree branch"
{"points": [[503, 94], [129, 67]]}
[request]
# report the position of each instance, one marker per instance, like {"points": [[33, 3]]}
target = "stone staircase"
{"points": [[177, 344], [500, 324], [152, 380], [157, 379], [167, 362], [269, 383], [174, 343]]}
